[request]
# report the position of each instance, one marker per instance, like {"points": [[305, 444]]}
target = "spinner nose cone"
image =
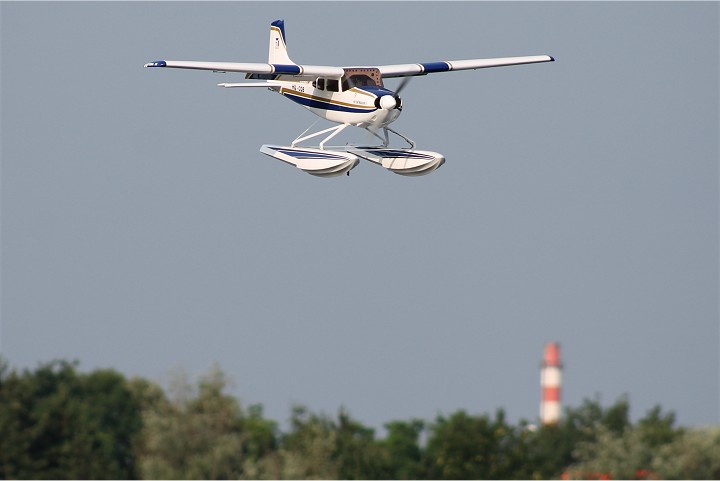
{"points": [[388, 102]]}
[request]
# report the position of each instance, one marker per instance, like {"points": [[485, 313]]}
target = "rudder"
{"points": [[277, 53]]}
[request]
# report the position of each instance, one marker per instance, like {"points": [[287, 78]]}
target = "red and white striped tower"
{"points": [[550, 382]]}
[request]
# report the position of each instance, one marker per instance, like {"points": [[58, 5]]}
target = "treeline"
{"points": [[59, 423]]}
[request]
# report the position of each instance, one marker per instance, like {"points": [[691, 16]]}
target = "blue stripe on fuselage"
{"points": [[432, 67], [324, 105]]}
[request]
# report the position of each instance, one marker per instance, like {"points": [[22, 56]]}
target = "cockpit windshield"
{"points": [[357, 81], [360, 77], [354, 77]]}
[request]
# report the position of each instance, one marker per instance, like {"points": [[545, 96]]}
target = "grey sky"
{"points": [[142, 229]]}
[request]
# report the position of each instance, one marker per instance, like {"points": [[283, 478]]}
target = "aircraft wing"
{"points": [[401, 70], [267, 84], [253, 68], [413, 69]]}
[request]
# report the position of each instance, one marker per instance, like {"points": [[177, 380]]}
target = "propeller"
{"points": [[388, 102], [403, 84]]}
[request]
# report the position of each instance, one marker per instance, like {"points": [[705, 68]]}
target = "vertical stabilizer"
{"points": [[278, 48]]}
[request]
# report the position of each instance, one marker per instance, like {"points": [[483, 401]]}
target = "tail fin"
{"points": [[277, 53]]}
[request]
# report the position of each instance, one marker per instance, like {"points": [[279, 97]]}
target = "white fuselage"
{"points": [[359, 106]]}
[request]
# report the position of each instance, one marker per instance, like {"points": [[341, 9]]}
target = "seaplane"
{"points": [[348, 96]]}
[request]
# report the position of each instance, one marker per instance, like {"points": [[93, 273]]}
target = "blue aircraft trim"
{"points": [[433, 67], [399, 154], [305, 154], [317, 104], [375, 90], [281, 25], [286, 69], [157, 63]]}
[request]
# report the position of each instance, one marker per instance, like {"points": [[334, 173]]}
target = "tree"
{"points": [[321, 447], [629, 454], [56, 423], [613, 455], [307, 451], [693, 454], [552, 448], [402, 449], [201, 434], [355, 452], [473, 447], [657, 429]]}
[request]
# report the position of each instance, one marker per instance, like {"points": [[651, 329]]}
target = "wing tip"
{"points": [[157, 63]]}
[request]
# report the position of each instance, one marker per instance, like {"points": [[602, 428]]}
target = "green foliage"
{"points": [[201, 434], [402, 449], [549, 450], [474, 447], [657, 429], [617, 455], [308, 450], [628, 454], [691, 455], [357, 454], [58, 424], [319, 447], [553, 448]]}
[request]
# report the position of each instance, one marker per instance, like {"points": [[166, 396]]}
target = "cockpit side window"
{"points": [[327, 84], [332, 85]]}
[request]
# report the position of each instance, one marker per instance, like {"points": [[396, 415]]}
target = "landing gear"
{"points": [[333, 161], [335, 130], [386, 139]]}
